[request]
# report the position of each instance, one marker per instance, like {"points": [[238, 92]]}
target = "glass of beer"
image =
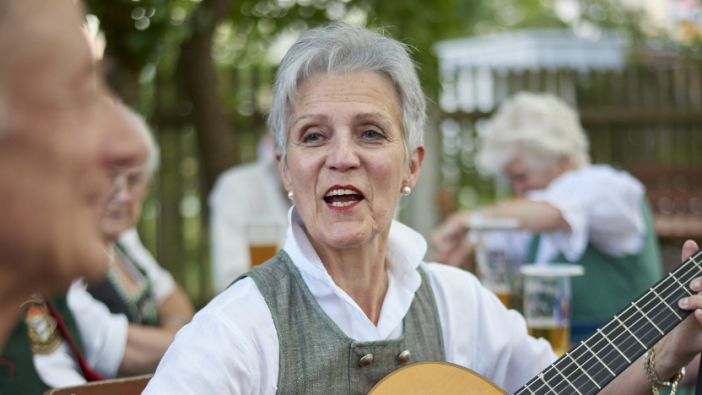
{"points": [[263, 239], [491, 237], [547, 302]]}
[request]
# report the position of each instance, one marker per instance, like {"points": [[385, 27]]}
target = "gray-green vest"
{"points": [[609, 283], [17, 372], [316, 357]]}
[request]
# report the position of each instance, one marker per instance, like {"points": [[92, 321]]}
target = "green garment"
{"points": [[610, 283], [316, 357], [17, 373]]}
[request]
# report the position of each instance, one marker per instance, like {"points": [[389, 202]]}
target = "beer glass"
{"points": [[495, 261], [547, 299], [263, 236]]}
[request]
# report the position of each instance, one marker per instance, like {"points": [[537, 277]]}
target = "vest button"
{"points": [[403, 357], [365, 360]]}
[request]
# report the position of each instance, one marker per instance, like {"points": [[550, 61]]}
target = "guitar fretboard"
{"points": [[590, 366]]}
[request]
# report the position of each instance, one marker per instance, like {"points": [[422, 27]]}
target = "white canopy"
{"points": [[537, 49]]}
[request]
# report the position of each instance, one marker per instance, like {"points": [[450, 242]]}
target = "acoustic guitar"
{"points": [[585, 369]]}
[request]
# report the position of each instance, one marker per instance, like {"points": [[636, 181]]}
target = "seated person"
{"points": [[243, 194], [74, 338], [349, 299], [136, 285], [591, 215]]}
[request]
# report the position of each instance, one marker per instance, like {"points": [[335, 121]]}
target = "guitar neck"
{"points": [[591, 365]]}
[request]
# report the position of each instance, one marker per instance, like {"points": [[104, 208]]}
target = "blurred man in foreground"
{"points": [[61, 137]]}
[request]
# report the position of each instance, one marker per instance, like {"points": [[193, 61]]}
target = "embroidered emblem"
{"points": [[41, 327]]}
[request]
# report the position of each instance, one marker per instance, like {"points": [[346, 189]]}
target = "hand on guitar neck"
{"points": [[681, 345], [678, 348], [684, 343]]}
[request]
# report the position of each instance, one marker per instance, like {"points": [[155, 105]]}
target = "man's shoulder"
{"points": [[244, 171], [246, 180]]}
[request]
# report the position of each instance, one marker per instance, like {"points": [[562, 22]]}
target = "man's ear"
{"points": [[283, 170]]}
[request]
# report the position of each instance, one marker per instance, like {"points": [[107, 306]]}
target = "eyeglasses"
{"points": [[129, 179]]}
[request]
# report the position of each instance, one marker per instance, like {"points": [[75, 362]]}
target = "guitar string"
{"points": [[648, 333], [579, 371]]}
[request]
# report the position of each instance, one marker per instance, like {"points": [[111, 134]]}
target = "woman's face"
{"points": [[124, 205], [346, 158]]}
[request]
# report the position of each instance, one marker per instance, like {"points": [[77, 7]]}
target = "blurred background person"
{"points": [[128, 324], [60, 138], [241, 196], [591, 215], [136, 285]]}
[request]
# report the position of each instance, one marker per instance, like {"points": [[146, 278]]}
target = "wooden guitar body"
{"points": [[435, 378]]}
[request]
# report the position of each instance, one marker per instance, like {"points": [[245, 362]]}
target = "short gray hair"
{"points": [[338, 49], [153, 155], [537, 127]]}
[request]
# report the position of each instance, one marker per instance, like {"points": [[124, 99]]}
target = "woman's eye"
{"points": [[371, 134], [312, 138]]}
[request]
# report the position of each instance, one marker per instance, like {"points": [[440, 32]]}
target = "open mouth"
{"points": [[342, 197]]}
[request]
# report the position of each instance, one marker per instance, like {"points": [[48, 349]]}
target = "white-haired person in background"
{"points": [[581, 213], [349, 299], [136, 285]]}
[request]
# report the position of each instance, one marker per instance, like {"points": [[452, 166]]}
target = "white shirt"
{"points": [[162, 282], [104, 337], [601, 205], [231, 346], [240, 195]]}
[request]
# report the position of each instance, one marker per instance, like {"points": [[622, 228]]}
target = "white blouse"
{"points": [[602, 206], [231, 346]]}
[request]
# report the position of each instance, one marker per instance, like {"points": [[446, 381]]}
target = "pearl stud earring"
{"points": [[405, 190]]}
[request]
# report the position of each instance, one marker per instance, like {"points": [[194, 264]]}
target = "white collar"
{"points": [[405, 250]]}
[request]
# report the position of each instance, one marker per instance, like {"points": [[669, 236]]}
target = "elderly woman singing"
{"points": [[348, 299]]}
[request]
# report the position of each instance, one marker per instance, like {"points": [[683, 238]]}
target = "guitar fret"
{"points": [[529, 389], [665, 303], [566, 379], [613, 345], [632, 333], [580, 371], [583, 370], [541, 376], [598, 358], [649, 320], [679, 283]]}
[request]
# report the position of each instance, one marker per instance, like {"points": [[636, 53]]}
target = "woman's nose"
{"points": [[343, 155]]}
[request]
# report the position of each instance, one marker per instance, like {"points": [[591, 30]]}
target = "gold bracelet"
{"points": [[649, 366]]}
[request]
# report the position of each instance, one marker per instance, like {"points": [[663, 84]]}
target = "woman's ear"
{"points": [[283, 170], [415, 166]]}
